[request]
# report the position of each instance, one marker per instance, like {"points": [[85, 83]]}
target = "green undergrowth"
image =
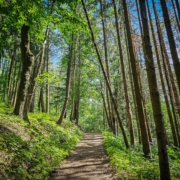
{"points": [[130, 163], [31, 151]]}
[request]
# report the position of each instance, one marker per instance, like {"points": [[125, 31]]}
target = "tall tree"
{"points": [[172, 44], [128, 107], [68, 81], [155, 97], [109, 100], [27, 60], [168, 106], [174, 99], [105, 77], [138, 95]]}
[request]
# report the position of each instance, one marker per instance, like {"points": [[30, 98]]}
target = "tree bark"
{"points": [[109, 100], [63, 112], [139, 100], [37, 68], [27, 60], [168, 74], [139, 75], [128, 107], [155, 98], [47, 70], [10, 74], [78, 86], [171, 40], [162, 81], [178, 8]]}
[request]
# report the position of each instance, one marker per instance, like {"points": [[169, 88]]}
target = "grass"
{"points": [[130, 163], [31, 151]]}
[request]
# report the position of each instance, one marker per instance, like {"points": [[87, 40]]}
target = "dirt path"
{"points": [[87, 162]]}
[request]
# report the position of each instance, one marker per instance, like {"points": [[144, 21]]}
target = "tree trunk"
{"points": [[73, 84], [11, 71], [139, 100], [41, 100], [155, 98], [16, 86], [128, 107], [109, 100], [27, 60], [31, 109], [171, 40], [162, 82], [105, 77], [47, 83], [175, 14], [37, 68], [67, 82], [168, 74], [139, 75], [104, 105], [178, 8], [78, 86]]}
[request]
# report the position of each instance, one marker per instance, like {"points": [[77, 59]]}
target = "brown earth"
{"points": [[87, 162]]}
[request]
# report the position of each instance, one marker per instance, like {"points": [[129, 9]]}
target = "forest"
{"points": [[68, 67]]}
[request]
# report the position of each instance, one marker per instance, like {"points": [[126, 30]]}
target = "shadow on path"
{"points": [[87, 162]]}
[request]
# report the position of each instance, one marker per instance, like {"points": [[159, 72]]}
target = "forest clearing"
{"points": [[97, 80]]}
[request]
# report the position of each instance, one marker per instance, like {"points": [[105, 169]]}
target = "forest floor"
{"points": [[88, 161]]}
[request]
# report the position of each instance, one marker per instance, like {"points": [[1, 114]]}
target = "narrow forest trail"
{"points": [[87, 162]]}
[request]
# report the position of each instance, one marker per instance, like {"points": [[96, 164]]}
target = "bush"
{"points": [[130, 163]]}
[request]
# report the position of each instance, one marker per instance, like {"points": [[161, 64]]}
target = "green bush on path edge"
{"points": [[130, 163]]}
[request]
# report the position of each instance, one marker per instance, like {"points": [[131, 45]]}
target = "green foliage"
{"points": [[30, 151], [48, 77], [130, 163]]}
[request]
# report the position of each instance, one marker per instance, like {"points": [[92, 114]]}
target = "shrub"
{"points": [[130, 163]]}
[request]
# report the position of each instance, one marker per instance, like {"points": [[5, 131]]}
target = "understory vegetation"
{"points": [[130, 163], [31, 151]]}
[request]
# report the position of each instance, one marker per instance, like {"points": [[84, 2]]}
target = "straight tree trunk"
{"points": [[168, 74], [109, 100], [16, 86], [139, 100], [139, 75], [167, 60], [11, 70], [155, 98], [14, 82], [128, 107], [177, 20], [105, 77], [78, 86], [171, 40], [162, 82], [104, 105], [47, 70], [27, 60], [73, 84], [178, 8], [31, 109], [133, 91], [68, 82], [41, 100]]}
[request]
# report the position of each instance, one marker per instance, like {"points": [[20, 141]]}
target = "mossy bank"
{"points": [[31, 151]]}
